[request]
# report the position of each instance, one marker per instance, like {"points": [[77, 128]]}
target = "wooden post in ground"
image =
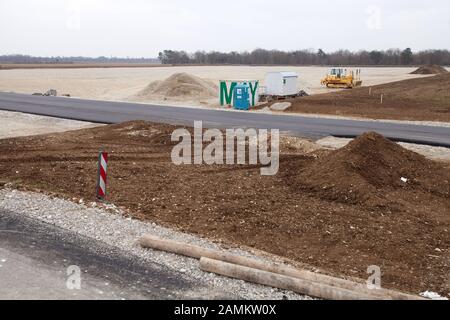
{"points": [[306, 287]]}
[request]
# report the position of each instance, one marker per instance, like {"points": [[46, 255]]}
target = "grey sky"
{"points": [[142, 28]]}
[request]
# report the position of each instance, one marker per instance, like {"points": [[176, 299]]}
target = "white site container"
{"points": [[281, 83]]}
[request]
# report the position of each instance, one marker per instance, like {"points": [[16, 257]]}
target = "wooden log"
{"points": [[197, 252], [275, 280]]}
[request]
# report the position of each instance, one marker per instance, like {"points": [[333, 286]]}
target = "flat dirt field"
{"points": [[424, 99], [125, 83], [339, 211]]}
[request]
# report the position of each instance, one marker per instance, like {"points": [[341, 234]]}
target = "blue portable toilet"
{"points": [[241, 97]]}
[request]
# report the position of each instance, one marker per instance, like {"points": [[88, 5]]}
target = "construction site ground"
{"points": [[406, 96], [339, 211], [133, 84], [422, 99]]}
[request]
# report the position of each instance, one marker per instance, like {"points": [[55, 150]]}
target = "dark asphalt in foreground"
{"points": [[115, 112], [34, 258]]}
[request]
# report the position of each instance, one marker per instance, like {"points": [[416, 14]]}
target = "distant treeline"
{"points": [[23, 59], [392, 57]]}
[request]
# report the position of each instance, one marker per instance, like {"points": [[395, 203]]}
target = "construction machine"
{"points": [[343, 78]]}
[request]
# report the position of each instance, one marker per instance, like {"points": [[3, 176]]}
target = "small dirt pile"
{"points": [[430, 69], [370, 170], [179, 86]]}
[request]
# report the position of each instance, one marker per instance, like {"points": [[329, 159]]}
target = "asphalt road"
{"points": [[115, 112], [35, 257]]}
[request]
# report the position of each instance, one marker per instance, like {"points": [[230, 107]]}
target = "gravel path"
{"points": [[17, 124], [269, 110], [107, 223]]}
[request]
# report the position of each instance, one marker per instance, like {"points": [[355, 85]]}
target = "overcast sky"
{"points": [[144, 27]]}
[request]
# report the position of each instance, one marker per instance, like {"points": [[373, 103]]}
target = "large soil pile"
{"points": [[370, 169], [430, 69], [179, 86]]}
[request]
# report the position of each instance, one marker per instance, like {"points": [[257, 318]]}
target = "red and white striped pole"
{"points": [[102, 169]]}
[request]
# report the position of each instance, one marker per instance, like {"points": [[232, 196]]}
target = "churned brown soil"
{"points": [[422, 99], [370, 171], [339, 211]]}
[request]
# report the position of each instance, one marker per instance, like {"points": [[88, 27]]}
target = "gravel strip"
{"points": [[331, 116], [107, 224], [17, 124]]}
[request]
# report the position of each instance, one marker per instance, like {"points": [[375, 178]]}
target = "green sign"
{"points": [[227, 89]]}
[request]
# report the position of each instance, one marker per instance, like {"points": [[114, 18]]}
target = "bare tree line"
{"points": [[25, 59], [391, 57]]}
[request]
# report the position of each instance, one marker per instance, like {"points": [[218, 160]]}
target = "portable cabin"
{"points": [[281, 83]]}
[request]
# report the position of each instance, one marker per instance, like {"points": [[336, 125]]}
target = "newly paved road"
{"points": [[115, 112]]}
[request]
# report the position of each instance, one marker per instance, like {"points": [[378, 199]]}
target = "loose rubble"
{"points": [[108, 224]]}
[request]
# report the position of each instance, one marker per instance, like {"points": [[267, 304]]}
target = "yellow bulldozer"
{"points": [[343, 78]]}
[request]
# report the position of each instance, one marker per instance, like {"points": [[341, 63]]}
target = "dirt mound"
{"points": [[430, 69], [180, 86], [370, 169]]}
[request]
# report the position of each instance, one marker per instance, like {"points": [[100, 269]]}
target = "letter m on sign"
{"points": [[226, 95]]}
